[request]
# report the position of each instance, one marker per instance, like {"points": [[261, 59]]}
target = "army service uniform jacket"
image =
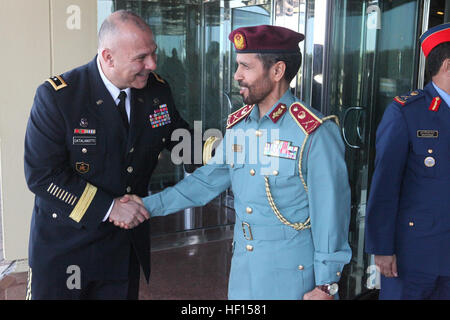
{"points": [[409, 204], [291, 229], [78, 158]]}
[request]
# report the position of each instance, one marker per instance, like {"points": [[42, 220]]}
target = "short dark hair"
{"points": [[293, 62], [436, 57]]}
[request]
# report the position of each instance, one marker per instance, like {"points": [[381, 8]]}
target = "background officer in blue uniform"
{"points": [[408, 220], [285, 164], [94, 134]]}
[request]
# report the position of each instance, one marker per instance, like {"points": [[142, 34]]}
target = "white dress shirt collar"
{"points": [[113, 90]]}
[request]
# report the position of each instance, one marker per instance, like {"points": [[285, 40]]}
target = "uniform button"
{"points": [[430, 150], [249, 248], [249, 210], [128, 189], [54, 216], [132, 150], [258, 133], [338, 274], [130, 169], [411, 224], [275, 172], [232, 165], [163, 139], [300, 267], [84, 150], [252, 172]]}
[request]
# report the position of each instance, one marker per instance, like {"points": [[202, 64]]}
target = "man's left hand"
{"points": [[317, 294]]}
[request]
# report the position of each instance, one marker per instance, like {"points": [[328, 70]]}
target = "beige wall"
{"points": [[39, 38]]}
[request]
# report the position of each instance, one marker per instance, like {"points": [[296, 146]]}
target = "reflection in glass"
{"points": [[372, 61]]}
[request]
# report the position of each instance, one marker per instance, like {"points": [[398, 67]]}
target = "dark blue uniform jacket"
{"points": [[76, 174], [408, 211]]}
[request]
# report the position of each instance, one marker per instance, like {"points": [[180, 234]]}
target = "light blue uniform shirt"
{"points": [[279, 262]]}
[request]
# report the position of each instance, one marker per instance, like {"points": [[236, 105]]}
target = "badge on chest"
{"points": [[160, 117], [281, 149]]}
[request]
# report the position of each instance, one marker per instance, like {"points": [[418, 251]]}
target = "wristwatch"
{"points": [[330, 289]]}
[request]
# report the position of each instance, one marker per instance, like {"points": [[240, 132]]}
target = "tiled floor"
{"points": [[187, 265]]}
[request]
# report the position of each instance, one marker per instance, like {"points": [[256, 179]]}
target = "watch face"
{"points": [[333, 289]]}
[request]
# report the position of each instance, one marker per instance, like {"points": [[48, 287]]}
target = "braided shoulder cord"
{"points": [[297, 226]]}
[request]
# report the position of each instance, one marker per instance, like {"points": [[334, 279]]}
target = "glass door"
{"points": [[236, 14], [372, 57]]}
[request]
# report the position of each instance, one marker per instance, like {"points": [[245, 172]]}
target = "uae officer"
{"points": [[285, 164], [408, 221]]}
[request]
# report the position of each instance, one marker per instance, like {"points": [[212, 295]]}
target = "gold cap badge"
{"points": [[239, 41]]}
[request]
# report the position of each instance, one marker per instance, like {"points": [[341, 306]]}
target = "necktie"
{"points": [[123, 112]]}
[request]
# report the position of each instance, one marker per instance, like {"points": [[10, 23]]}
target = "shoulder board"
{"points": [[305, 119], [57, 82], [405, 99], [238, 115], [158, 78]]}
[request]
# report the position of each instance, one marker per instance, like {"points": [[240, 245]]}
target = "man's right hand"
{"points": [[387, 265], [128, 215], [133, 197]]}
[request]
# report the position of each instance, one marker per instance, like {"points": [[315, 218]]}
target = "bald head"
{"points": [[114, 25], [126, 50]]}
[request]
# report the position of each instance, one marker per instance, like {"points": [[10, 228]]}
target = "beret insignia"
{"points": [[239, 41]]}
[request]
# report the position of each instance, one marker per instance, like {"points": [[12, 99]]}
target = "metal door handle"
{"points": [[344, 135], [230, 105]]}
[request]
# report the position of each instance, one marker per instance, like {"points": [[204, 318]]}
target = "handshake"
{"points": [[128, 212]]}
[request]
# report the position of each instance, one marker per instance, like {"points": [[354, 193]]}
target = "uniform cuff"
{"points": [[154, 204], [326, 273]]}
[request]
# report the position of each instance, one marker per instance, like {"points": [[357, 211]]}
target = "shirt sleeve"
{"points": [[392, 145], [329, 202], [196, 190]]}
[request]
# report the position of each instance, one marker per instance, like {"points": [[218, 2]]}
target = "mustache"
{"points": [[143, 73], [242, 84]]}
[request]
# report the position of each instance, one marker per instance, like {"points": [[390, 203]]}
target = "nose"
{"points": [[150, 62], [238, 75]]}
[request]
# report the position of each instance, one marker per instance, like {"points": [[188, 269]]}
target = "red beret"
{"points": [[265, 39], [434, 37]]}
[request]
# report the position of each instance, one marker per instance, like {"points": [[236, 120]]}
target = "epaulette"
{"points": [[238, 115], [305, 119], [158, 78], [405, 99], [57, 82]]}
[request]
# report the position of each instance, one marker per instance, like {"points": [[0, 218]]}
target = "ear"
{"points": [[446, 66], [278, 70], [107, 57]]}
